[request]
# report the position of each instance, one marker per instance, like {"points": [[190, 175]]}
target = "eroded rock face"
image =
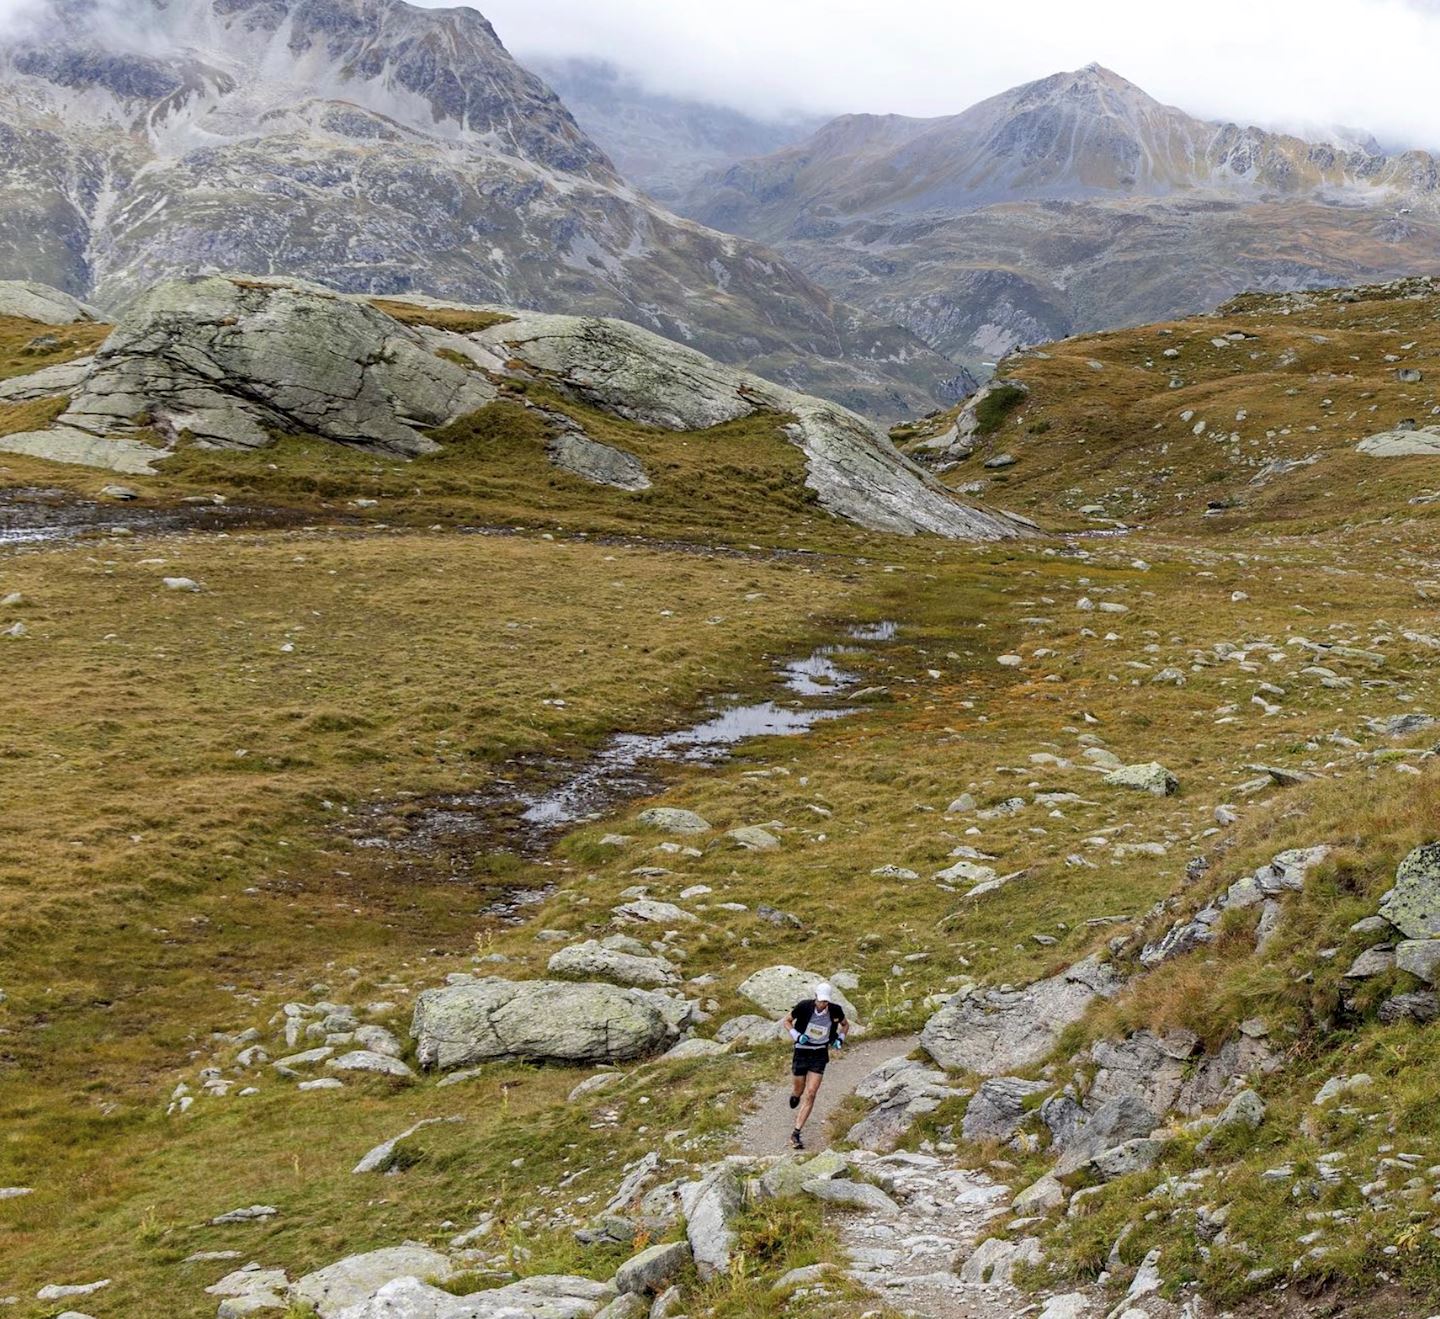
{"points": [[540, 1020], [853, 469], [228, 362], [1003, 1030], [32, 301]]}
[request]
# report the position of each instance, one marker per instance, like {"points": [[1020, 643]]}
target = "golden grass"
{"points": [[462, 320], [20, 354]]}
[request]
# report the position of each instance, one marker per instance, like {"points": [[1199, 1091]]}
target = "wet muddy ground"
{"points": [[535, 798], [34, 515]]}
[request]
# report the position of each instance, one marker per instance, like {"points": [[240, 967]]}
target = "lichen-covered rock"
{"points": [[652, 1269], [591, 960], [1002, 1030], [901, 1091], [1421, 443], [546, 1297], [1413, 905], [1151, 777], [541, 1020], [673, 820], [711, 1206]]}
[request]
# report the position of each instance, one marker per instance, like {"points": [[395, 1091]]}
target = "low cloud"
{"points": [[1363, 64]]}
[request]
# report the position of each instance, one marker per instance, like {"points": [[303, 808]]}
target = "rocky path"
{"points": [[912, 1256], [767, 1129]]}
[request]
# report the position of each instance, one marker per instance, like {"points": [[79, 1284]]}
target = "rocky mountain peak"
{"points": [[176, 69]]}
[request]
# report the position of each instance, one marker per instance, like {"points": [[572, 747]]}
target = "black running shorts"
{"points": [[810, 1060]]}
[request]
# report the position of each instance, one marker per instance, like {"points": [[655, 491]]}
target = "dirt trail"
{"points": [[767, 1129]]}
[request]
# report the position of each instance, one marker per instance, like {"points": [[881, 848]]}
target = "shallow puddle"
{"points": [[526, 820]]}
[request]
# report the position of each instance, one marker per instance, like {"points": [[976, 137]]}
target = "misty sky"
{"points": [[1364, 64]]}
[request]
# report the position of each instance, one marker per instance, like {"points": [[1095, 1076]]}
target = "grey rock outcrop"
{"points": [[853, 469], [1002, 1030], [352, 1281], [601, 464], [547, 1297], [1113, 1123], [1173, 1072], [541, 1020], [1422, 443], [227, 362], [999, 1106], [711, 1206], [900, 1092], [31, 301], [653, 1268], [1284, 873]]}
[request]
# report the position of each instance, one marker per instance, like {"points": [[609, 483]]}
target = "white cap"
{"points": [[825, 993]]}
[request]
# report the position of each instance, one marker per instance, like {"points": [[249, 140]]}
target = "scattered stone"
{"points": [[1419, 957], [362, 1060], [180, 584]]}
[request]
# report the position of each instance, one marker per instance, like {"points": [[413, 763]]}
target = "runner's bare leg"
{"points": [[807, 1102]]}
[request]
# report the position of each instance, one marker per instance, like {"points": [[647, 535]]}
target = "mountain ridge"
{"points": [[381, 148], [1058, 206]]}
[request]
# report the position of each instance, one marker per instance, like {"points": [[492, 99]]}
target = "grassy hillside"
{"points": [[1256, 407], [194, 779]]}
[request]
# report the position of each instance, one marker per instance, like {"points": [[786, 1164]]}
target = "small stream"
{"points": [[35, 515], [535, 800]]}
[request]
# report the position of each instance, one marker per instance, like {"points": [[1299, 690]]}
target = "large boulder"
{"points": [[1003, 1030], [229, 362], [32, 301], [1151, 777], [777, 989], [540, 1020], [591, 960], [353, 1280], [1413, 905]]}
